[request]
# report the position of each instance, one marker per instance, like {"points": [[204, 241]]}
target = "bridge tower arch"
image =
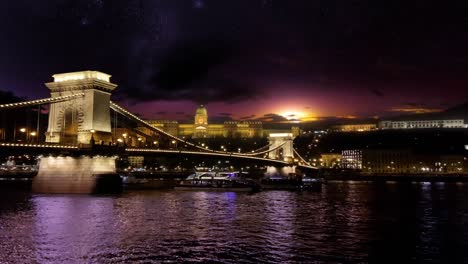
{"points": [[282, 146], [82, 117]]}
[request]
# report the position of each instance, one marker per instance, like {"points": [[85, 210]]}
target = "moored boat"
{"points": [[311, 184], [293, 183], [217, 181]]}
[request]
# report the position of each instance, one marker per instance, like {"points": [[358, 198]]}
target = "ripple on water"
{"points": [[343, 223]]}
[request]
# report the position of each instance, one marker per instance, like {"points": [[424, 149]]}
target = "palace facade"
{"points": [[202, 129]]}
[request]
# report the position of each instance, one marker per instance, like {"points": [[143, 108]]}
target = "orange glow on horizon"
{"points": [[298, 116]]}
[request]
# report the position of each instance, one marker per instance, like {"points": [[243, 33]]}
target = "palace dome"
{"points": [[201, 111], [201, 116]]}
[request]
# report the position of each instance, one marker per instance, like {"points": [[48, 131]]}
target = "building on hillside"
{"points": [[202, 129], [450, 123], [171, 127], [355, 127]]}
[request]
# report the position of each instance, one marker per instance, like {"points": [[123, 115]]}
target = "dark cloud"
{"points": [[272, 118], [414, 108], [161, 113], [193, 70], [377, 92], [247, 117], [231, 51], [225, 114], [180, 113]]}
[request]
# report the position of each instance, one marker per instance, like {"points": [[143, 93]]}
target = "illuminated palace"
{"points": [[201, 129]]}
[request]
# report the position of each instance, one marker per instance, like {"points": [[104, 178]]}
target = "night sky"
{"points": [[245, 59]]}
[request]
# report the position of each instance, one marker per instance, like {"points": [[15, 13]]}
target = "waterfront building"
{"points": [[387, 161], [449, 123], [402, 161], [452, 164], [351, 159], [355, 127], [330, 160], [378, 160]]}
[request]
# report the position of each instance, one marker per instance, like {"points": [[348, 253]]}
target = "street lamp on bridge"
{"points": [[33, 136], [23, 131]]}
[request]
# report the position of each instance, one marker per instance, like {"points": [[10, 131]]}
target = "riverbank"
{"points": [[399, 178]]}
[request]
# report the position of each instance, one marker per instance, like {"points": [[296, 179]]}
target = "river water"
{"points": [[348, 222]]}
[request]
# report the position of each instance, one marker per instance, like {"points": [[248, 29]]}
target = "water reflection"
{"points": [[64, 227], [346, 222]]}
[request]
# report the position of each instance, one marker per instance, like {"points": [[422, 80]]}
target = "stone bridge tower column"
{"points": [[284, 139], [77, 120]]}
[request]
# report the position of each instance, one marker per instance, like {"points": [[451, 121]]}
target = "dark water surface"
{"points": [[346, 223]]}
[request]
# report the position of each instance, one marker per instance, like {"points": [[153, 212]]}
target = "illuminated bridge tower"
{"points": [[286, 151], [83, 117]]}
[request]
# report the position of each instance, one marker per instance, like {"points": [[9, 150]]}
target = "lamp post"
{"points": [[92, 141], [124, 135], [23, 131], [33, 136]]}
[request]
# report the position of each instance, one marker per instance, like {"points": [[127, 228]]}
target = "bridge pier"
{"points": [[76, 175], [285, 171]]}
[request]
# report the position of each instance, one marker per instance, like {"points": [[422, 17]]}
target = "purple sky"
{"points": [[251, 59]]}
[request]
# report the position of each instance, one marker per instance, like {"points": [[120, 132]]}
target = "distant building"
{"points": [[402, 161], [351, 159], [330, 160], [452, 164], [451, 123], [243, 129], [201, 123], [355, 127], [202, 129], [387, 161], [171, 127]]}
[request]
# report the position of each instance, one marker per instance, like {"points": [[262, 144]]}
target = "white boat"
{"points": [[217, 181]]}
